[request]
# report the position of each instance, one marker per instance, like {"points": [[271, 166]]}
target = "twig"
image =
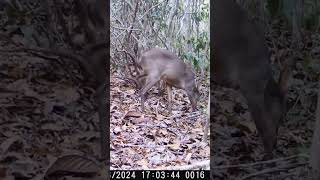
{"points": [[124, 28], [194, 115], [260, 162], [62, 53], [199, 165], [130, 79], [150, 10], [134, 19], [57, 52], [276, 169], [136, 38], [125, 51], [119, 34], [134, 62], [129, 3], [159, 37], [157, 108]]}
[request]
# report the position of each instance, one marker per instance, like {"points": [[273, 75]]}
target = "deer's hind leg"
{"points": [[150, 81]]}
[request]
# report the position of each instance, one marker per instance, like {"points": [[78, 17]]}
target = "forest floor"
{"points": [[46, 112], [155, 139], [236, 146]]}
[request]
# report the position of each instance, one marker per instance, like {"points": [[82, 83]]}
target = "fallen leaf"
{"points": [[175, 146], [188, 157], [132, 114], [163, 131], [131, 91], [143, 163], [116, 130], [139, 120], [74, 164]]}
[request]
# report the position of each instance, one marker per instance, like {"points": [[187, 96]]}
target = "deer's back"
{"points": [[167, 65]]}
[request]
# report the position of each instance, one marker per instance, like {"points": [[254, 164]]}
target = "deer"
{"points": [[162, 65], [241, 61]]}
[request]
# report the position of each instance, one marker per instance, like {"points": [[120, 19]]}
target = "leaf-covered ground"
{"points": [[155, 139], [46, 111]]}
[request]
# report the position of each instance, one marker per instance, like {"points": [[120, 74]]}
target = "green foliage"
{"points": [[202, 15], [199, 58], [155, 15], [194, 47], [202, 41]]}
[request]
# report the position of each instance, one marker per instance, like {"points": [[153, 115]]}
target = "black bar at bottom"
{"points": [[159, 174]]}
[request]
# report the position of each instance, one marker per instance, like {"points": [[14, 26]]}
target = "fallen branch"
{"points": [[57, 52], [273, 170], [260, 162], [199, 165], [62, 53], [128, 79]]}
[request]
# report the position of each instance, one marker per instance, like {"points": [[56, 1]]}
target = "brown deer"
{"points": [[159, 64], [241, 61]]}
